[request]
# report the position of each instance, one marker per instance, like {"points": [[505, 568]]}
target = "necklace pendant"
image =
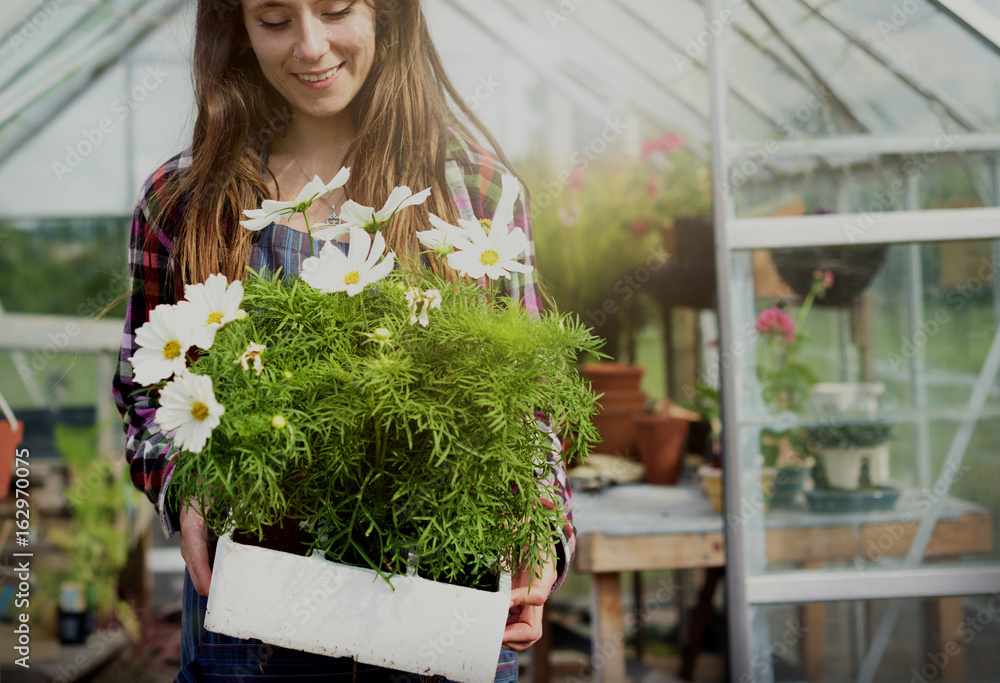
{"points": [[333, 218]]}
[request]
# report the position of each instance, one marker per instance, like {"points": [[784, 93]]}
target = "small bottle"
{"points": [[72, 613]]}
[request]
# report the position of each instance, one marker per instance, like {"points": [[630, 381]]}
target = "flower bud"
{"points": [[278, 422]]}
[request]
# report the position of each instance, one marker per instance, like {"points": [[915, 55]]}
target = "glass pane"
{"points": [[770, 184], [866, 411], [968, 76], [955, 639]]}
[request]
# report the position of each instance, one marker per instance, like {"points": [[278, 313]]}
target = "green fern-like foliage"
{"points": [[426, 445]]}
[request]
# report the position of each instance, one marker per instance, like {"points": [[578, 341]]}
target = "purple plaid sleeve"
{"points": [[475, 182], [146, 448]]}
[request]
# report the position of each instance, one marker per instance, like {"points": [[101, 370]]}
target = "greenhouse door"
{"points": [[858, 250]]}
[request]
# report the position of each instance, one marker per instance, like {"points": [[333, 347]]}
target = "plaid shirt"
{"points": [[474, 181]]}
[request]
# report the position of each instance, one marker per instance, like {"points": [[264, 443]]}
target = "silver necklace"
{"points": [[333, 218]]}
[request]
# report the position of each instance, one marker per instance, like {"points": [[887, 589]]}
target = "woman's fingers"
{"points": [[194, 548], [524, 628]]}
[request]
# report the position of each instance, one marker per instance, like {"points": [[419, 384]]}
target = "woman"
{"points": [[289, 89]]}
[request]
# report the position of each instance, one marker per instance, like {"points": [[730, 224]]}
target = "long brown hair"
{"points": [[404, 113]]}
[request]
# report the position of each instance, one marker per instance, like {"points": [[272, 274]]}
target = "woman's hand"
{"points": [[524, 619], [194, 548]]}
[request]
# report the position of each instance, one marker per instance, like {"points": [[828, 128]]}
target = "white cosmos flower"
{"points": [[313, 190], [189, 409], [443, 237], [210, 305], [421, 303], [252, 354], [333, 271], [354, 215], [163, 342], [488, 248]]}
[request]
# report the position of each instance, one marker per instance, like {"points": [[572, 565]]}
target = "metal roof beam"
{"points": [[758, 105], [868, 145], [520, 37], [865, 121], [64, 85], [911, 78], [983, 24]]}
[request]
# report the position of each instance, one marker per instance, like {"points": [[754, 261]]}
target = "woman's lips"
{"points": [[317, 78]]}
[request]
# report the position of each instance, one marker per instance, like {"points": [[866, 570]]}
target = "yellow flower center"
{"points": [[489, 257], [171, 350], [352, 278], [487, 224], [199, 410], [214, 317]]}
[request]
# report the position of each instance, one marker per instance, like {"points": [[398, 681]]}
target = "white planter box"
{"points": [[843, 465], [846, 397], [313, 605]]}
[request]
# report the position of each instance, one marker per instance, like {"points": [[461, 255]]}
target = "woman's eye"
{"points": [[341, 13], [272, 25]]}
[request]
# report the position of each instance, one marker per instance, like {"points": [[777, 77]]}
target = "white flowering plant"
{"points": [[386, 417]]}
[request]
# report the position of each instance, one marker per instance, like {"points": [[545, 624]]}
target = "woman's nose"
{"points": [[312, 40]]}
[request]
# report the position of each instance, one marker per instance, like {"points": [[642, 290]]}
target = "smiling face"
{"points": [[315, 53]]}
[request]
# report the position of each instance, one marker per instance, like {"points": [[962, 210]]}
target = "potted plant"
{"points": [[786, 383], [601, 232], [381, 425], [852, 455], [603, 228], [786, 452]]}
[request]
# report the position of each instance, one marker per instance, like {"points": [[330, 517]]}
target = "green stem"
{"points": [[806, 305], [312, 251]]}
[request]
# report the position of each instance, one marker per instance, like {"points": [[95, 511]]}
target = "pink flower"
{"points": [[640, 228], [775, 321], [667, 143], [569, 214], [653, 188], [575, 180]]}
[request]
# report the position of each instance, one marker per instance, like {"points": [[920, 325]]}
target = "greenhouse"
{"points": [[755, 244]]}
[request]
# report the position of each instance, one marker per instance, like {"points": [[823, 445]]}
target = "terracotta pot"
{"points": [[621, 399], [617, 432], [9, 441], [618, 402], [662, 440], [604, 377]]}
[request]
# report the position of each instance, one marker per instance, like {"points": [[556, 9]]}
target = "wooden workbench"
{"points": [[643, 527]]}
